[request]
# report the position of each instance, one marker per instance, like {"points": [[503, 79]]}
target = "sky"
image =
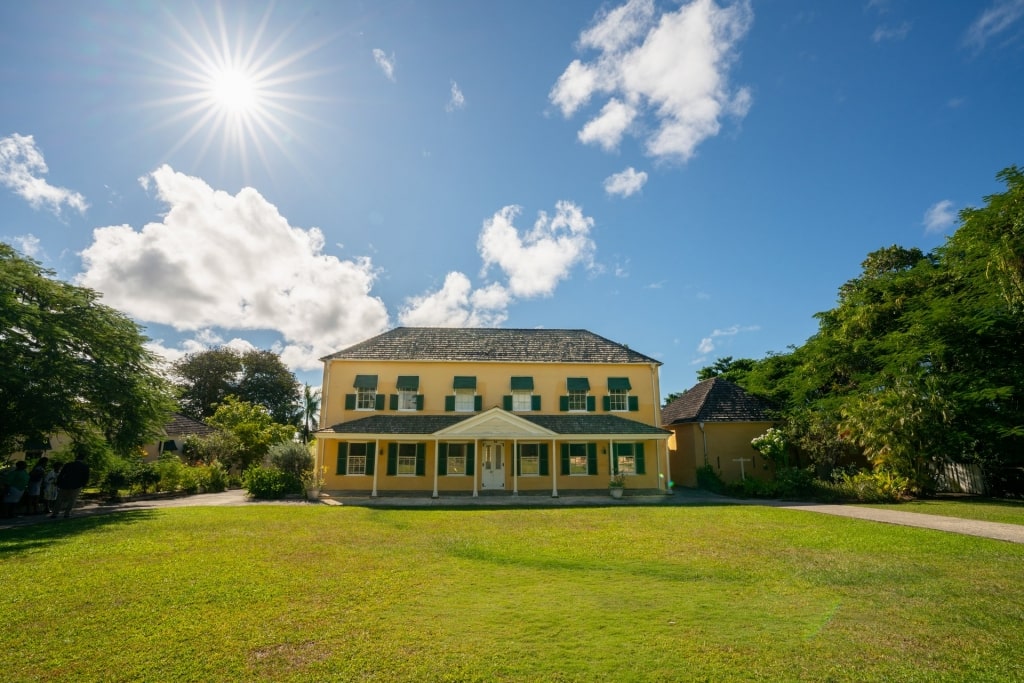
{"points": [[693, 179]]}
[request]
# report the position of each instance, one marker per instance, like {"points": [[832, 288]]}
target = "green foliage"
{"points": [[868, 486], [116, 479], [172, 472], [709, 480], [772, 445], [207, 378], [292, 458], [254, 429], [69, 363], [310, 411], [728, 369], [217, 478], [143, 476], [269, 483]]}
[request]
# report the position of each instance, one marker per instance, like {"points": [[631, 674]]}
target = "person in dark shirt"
{"points": [[72, 479]]}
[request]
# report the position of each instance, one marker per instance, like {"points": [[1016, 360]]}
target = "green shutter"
{"points": [[342, 458], [371, 458], [421, 459], [506, 402], [442, 459], [563, 403], [522, 384], [544, 469], [392, 459], [577, 384], [470, 459], [535, 402], [365, 382], [394, 401], [621, 383], [350, 401], [410, 382], [639, 453], [380, 402], [591, 404], [565, 459], [634, 403], [606, 403], [462, 382], [449, 404], [519, 458], [419, 401], [591, 458], [478, 403], [615, 459]]}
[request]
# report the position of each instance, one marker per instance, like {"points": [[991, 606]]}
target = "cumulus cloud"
{"points": [[21, 168], [999, 17], [457, 305], [669, 71], [939, 217], [233, 262], [456, 100], [386, 64], [535, 262], [625, 183]]}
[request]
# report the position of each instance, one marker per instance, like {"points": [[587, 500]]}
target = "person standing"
{"points": [[50, 487], [35, 486], [72, 479], [17, 482]]}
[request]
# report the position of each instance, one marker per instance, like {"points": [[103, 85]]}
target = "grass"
{"points": [[983, 509], [295, 593]]}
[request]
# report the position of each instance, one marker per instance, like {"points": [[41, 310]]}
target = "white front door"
{"points": [[492, 465]]}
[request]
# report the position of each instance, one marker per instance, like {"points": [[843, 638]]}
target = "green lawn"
{"points": [[719, 593], [985, 509]]}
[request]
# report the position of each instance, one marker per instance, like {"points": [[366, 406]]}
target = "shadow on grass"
{"points": [[39, 535]]}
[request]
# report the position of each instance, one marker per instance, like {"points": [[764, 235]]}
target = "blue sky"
{"points": [[692, 179]]}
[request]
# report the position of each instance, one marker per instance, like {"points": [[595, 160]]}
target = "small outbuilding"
{"points": [[712, 424]]}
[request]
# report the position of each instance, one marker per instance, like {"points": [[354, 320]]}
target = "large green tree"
{"points": [[206, 378], [69, 363], [254, 429]]}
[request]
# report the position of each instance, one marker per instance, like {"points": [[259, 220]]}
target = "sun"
{"points": [[237, 89]]}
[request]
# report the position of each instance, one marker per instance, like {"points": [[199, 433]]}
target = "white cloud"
{"points": [[1001, 15], [457, 100], [707, 344], [457, 305], [29, 245], [891, 32], [939, 217], [233, 262], [22, 164], [625, 183], [672, 69], [536, 262], [386, 64]]}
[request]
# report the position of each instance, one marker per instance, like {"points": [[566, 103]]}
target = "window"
{"points": [[465, 400], [407, 399], [578, 459], [357, 453], [618, 399], [529, 459], [407, 459], [577, 399], [456, 458], [366, 398], [522, 401], [625, 457]]}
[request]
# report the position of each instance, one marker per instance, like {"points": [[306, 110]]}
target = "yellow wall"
{"points": [[726, 441]]}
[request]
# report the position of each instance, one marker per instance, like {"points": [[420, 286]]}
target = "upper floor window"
{"points": [[407, 386], [577, 399], [522, 401], [366, 398], [464, 400], [577, 396], [618, 399]]}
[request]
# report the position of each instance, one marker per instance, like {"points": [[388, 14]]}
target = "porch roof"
{"points": [[565, 425]]}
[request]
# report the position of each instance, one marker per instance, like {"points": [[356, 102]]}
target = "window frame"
{"points": [[352, 458], [580, 396], [468, 398], [573, 457], [524, 458], [625, 457], [399, 457], [366, 395], [463, 456], [521, 398], [618, 400], [407, 400]]}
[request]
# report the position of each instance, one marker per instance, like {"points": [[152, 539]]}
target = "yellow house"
{"points": [[446, 411], [712, 423]]}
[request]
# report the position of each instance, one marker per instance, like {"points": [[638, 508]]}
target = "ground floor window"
{"points": [[626, 458], [406, 459], [529, 459], [578, 461], [456, 458], [357, 454]]}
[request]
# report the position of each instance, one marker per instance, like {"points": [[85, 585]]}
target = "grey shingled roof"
{"points": [[491, 344], [716, 400], [428, 424], [181, 424]]}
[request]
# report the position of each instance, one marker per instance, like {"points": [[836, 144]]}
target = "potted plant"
{"points": [[616, 485], [313, 481]]}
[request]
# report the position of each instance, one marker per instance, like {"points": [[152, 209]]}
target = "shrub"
{"points": [[291, 458], [794, 482], [709, 480], [866, 486], [217, 479], [115, 479], [144, 476], [171, 471], [269, 483]]}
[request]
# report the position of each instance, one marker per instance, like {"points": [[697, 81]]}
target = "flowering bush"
{"points": [[772, 445], [618, 481]]}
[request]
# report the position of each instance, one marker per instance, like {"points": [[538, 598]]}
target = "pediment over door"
{"points": [[496, 424]]}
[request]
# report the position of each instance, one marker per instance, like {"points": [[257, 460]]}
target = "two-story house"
{"points": [[473, 411]]}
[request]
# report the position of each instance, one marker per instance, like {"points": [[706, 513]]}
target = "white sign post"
{"points": [[743, 473]]}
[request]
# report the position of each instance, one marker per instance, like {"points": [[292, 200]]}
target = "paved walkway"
{"points": [[1013, 533]]}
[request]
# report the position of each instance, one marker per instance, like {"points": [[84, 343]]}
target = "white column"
{"points": [[515, 467], [476, 466], [553, 464], [376, 466], [437, 463]]}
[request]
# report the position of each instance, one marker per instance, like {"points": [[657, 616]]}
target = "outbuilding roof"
{"points": [[716, 400], [491, 344]]}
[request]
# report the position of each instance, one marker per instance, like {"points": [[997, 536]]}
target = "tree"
{"points": [[208, 377], [254, 429], [310, 411], [68, 363], [728, 369]]}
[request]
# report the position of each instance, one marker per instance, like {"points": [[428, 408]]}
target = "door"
{"points": [[492, 465]]}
